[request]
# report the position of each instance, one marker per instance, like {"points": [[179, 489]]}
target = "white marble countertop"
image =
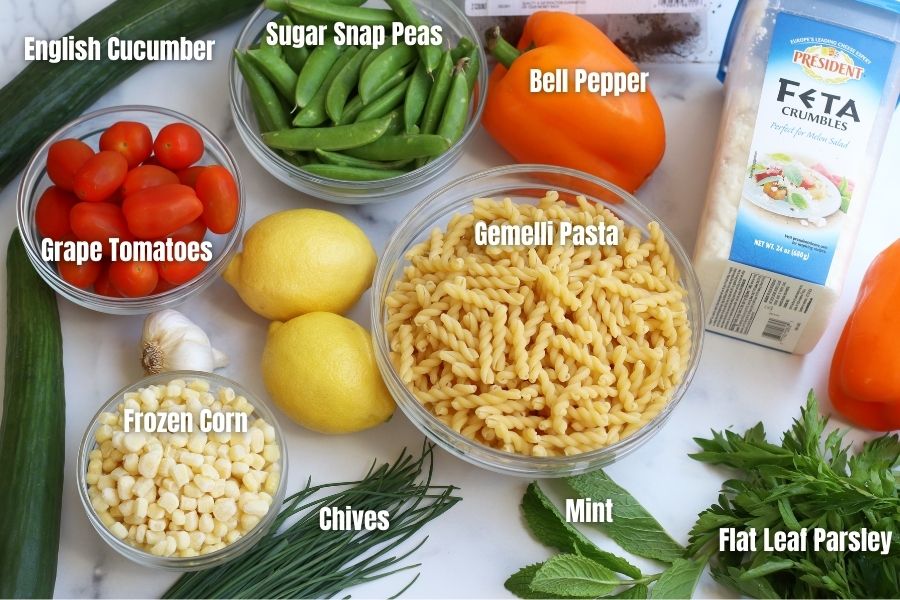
{"points": [[474, 547]]}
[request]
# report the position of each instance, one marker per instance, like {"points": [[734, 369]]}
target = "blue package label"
{"points": [[818, 106]]}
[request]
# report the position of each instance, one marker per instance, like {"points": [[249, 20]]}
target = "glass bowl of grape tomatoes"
{"points": [[131, 209]]}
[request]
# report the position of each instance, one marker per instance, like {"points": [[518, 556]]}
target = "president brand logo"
{"points": [[828, 64]]}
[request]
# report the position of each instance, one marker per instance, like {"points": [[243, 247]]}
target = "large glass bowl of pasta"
{"points": [[536, 321]]}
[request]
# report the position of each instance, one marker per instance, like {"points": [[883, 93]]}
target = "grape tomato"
{"points": [[64, 158], [178, 146], [100, 176], [130, 139]]}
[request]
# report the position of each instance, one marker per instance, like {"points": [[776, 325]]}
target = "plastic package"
{"points": [[808, 104], [648, 31]]}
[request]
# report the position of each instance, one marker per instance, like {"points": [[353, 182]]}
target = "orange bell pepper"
{"points": [[618, 138], [864, 383]]}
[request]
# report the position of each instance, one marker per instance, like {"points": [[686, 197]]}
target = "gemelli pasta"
{"points": [[542, 350]]}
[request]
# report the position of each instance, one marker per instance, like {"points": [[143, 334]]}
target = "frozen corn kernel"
{"points": [[248, 522], [206, 523], [188, 553], [157, 524], [205, 504], [119, 531], [168, 501], [178, 518], [181, 493]]}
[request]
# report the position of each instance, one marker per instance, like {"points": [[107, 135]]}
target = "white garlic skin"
{"points": [[172, 342]]}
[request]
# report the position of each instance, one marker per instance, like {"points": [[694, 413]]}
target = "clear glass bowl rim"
{"points": [[26, 195], [181, 563], [429, 211], [325, 185]]}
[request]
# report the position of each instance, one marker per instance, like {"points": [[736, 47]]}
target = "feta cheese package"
{"points": [[810, 91]]}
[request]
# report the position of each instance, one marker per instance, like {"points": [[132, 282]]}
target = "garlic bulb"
{"points": [[172, 342]]}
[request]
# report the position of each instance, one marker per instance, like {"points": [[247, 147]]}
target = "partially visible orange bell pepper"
{"points": [[618, 138], [864, 384]]}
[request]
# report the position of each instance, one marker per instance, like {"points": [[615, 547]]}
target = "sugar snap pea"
{"points": [[416, 96], [401, 147], [263, 42], [351, 173], [295, 57], [313, 113], [351, 15], [463, 47], [345, 160], [385, 103], [381, 68], [270, 114], [340, 137], [410, 15], [394, 79], [315, 71], [372, 56], [276, 70], [472, 69], [350, 111], [456, 108], [343, 84], [438, 95]]}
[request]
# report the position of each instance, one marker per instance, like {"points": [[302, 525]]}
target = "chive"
{"points": [[300, 560]]}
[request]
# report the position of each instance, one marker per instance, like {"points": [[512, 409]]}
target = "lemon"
{"points": [[299, 261], [320, 370]]}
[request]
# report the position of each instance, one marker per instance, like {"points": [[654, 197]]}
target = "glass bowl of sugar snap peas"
{"points": [[355, 101]]}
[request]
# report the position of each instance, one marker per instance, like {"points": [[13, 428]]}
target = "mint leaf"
{"points": [[550, 528], [632, 527], [635, 592], [519, 583], [679, 580], [574, 576]]}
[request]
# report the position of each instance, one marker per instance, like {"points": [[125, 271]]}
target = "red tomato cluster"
{"points": [[134, 188]]}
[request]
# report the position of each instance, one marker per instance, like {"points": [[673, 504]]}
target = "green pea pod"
{"points": [[386, 103], [340, 137], [343, 84], [472, 69], [298, 159], [263, 43], [456, 108], [351, 173], [416, 97], [335, 13], [463, 47], [282, 5], [382, 68], [270, 114], [410, 15], [434, 107], [276, 70], [401, 147], [350, 111], [393, 80], [313, 114], [372, 56], [295, 57], [396, 125], [345, 160], [315, 71]]}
